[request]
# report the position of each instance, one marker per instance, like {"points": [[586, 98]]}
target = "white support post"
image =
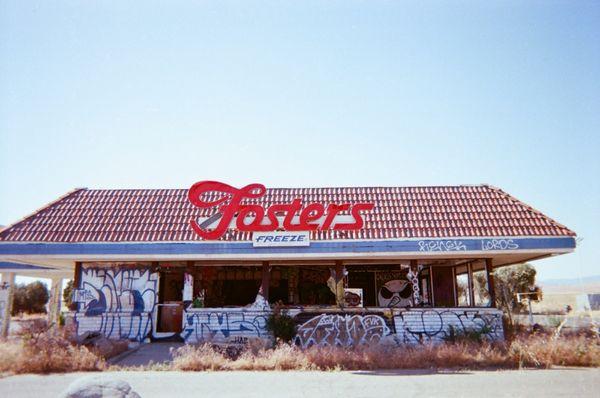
{"points": [[7, 288], [55, 300]]}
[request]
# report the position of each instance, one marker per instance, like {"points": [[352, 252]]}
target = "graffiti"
{"points": [[353, 297], [233, 326], [441, 246], [341, 330], [413, 277], [395, 293], [498, 244], [116, 303], [439, 324]]}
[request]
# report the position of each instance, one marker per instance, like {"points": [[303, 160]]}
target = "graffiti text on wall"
{"points": [[341, 330], [224, 326], [438, 325], [441, 246], [116, 303], [498, 244]]}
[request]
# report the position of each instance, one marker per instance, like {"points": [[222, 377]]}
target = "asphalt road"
{"points": [[565, 382]]}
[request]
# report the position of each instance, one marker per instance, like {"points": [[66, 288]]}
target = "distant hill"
{"points": [[588, 284]]}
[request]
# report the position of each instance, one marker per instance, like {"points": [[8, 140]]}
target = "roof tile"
{"points": [[138, 215]]}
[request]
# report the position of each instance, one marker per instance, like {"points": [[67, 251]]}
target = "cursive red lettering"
{"points": [[358, 219], [251, 217], [332, 210]]}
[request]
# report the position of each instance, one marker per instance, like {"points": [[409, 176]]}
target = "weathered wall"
{"points": [[414, 326], [224, 325], [435, 324], [116, 302], [341, 330]]}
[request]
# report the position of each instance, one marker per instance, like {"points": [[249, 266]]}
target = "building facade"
{"points": [[350, 265]]}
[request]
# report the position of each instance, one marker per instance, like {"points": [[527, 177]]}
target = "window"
{"points": [[471, 284], [480, 285], [463, 293]]}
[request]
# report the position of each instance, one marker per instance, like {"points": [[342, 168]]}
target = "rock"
{"points": [[104, 346], [99, 387]]}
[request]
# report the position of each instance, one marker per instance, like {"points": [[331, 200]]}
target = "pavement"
{"points": [[562, 382], [146, 354]]}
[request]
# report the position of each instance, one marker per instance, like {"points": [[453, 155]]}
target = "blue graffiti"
{"points": [[224, 325], [117, 303]]}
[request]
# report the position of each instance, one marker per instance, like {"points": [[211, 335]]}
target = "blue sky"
{"points": [[162, 94]]}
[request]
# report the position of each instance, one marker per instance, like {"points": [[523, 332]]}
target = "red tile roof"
{"points": [[163, 215]]}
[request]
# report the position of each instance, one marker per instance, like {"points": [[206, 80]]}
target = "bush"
{"points": [[477, 336], [45, 350], [31, 298], [68, 295], [281, 324]]}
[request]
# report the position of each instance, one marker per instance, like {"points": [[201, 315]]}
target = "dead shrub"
{"points": [[544, 351], [45, 350], [535, 351]]}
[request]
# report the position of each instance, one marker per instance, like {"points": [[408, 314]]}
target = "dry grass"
{"points": [[544, 351], [538, 351], [44, 350]]}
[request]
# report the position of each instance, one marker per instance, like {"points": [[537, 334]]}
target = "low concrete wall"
{"points": [[437, 324], [330, 326], [116, 325], [224, 325]]}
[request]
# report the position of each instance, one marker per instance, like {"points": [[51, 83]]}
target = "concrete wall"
{"points": [[437, 324], [224, 325], [400, 326]]}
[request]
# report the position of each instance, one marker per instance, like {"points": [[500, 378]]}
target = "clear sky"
{"points": [[115, 94]]}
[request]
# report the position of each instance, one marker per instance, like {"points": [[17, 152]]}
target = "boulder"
{"points": [[99, 387]]}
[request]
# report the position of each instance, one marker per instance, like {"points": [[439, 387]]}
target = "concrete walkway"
{"points": [[148, 353], [566, 382]]}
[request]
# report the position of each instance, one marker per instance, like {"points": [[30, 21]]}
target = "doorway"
{"points": [[170, 302]]}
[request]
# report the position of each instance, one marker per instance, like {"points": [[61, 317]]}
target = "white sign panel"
{"points": [[188, 287], [281, 239]]}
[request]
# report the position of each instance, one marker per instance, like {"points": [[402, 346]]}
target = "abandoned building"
{"points": [[351, 265]]}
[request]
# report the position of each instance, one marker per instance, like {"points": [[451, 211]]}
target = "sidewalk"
{"points": [[560, 382], [147, 353]]}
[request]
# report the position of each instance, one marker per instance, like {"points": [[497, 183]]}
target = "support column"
{"points": [[55, 300], [76, 285], [7, 289], [489, 270], [414, 280], [339, 284], [264, 283], [471, 285]]}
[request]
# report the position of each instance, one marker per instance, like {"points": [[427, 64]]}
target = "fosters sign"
{"points": [[281, 224]]}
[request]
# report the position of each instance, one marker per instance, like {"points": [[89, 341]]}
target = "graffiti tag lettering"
{"points": [[116, 303], [498, 244], [438, 325], [341, 330], [442, 246], [224, 326]]}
